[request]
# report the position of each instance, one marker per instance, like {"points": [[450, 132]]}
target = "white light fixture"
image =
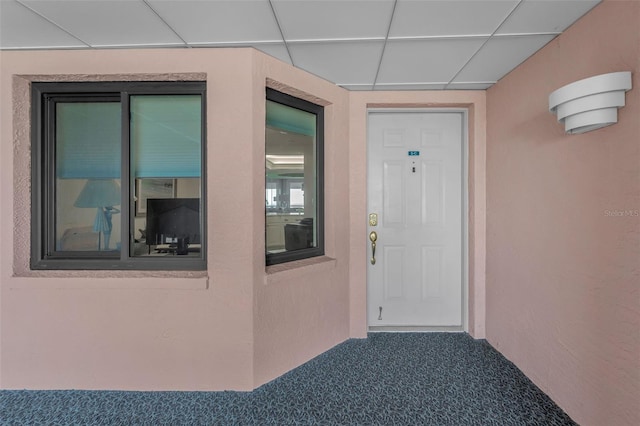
{"points": [[285, 159], [591, 103]]}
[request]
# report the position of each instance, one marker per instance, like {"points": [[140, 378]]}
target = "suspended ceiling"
{"points": [[357, 44]]}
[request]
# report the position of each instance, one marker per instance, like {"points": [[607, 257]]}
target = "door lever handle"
{"points": [[373, 237]]}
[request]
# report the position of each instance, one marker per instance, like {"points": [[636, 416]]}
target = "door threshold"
{"points": [[415, 329]]}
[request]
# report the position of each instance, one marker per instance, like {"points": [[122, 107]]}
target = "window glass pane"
{"points": [[296, 195], [291, 179], [112, 161], [87, 192], [271, 199], [166, 157]]}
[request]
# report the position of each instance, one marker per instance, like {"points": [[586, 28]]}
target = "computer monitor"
{"points": [[173, 221]]}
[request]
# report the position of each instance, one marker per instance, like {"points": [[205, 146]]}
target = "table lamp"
{"points": [[102, 194]]}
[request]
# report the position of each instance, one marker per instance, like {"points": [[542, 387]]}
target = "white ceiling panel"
{"points": [[108, 23], [20, 28], [339, 62], [201, 22], [545, 16], [438, 18], [316, 19], [499, 56], [425, 61]]}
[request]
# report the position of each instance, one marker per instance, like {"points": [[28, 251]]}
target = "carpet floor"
{"points": [[386, 379]]}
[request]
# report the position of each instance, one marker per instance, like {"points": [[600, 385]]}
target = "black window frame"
{"points": [[44, 95], [318, 110]]}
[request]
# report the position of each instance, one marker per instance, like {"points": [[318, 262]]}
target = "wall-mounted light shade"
{"points": [[591, 103]]}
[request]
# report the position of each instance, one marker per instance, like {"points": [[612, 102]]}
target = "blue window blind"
{"points": [[166, 135], [290, 119], [88, 140]]}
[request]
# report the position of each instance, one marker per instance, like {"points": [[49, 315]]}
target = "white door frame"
{"points": [[465, 218]]}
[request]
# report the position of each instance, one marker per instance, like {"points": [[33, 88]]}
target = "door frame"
{"points": [[464, 112]]}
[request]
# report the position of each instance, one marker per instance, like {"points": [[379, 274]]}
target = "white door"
{"points": [[415, 189]]}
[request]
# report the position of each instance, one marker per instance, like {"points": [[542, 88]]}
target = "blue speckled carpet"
{"points": [[387, 379]]}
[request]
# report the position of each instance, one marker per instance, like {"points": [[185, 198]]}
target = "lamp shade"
{"points": [[591, 103], [99, 193]]}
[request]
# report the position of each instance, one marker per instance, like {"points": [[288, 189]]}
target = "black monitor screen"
{"points": [[171, 218]]}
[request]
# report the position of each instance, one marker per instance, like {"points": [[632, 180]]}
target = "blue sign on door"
{"points": [[414, 153]]}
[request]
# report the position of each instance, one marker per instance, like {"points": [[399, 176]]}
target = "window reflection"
{"points": [[290, 179], [167, 219], [166, 153]]}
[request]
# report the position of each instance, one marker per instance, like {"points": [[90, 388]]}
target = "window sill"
{"points": [[298, 269]]}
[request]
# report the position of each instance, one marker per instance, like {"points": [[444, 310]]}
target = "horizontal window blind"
{"points": [[290, 119], [88, 140], [166, 136]]}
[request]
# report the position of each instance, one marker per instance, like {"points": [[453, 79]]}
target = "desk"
{"points": [[170, 248]]}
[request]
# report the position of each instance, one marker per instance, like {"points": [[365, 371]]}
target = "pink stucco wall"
{"points": [[301, 309], [238, 324], [232, 327], [563, 268]]}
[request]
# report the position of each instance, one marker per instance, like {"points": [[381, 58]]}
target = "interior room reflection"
{"points": [[167, 218], [103, 195], [168, 224], [165, 163], [166, 148], [290, 189], [87, 217]]}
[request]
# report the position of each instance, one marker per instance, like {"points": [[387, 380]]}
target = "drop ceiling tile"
{"points": [[339, 62], [22, 28], [437, 18], [425, 61], [219, 21], [102, 23], [315, 19], [546, 16], [500, 55]]}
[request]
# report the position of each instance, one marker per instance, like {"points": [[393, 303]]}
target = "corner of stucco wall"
{"points": [[301, 309], [357, 211], [477, 189]]}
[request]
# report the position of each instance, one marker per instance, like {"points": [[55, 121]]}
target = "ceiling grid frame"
{"points": [[53, 23], [483, 45], [386, 38], [166, 23], [284, 40], [345, 42]]}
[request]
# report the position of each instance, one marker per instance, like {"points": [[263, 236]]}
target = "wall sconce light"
{"points": [[591, 103]]}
